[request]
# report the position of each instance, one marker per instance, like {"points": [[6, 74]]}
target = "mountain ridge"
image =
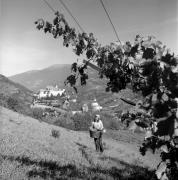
{"points": [[38, 79], [53, 75]]}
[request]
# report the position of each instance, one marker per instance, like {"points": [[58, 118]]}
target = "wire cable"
{"points": [[110, 21], [49, 6], [71, 15]]}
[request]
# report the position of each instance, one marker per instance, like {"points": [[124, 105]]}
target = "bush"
{"points": [[79, 121], [12, 104], [55, 133], [82, 121], [16, 104], [65, 121], [111, 122], [3, 100], [38, 113], [114, 124]]}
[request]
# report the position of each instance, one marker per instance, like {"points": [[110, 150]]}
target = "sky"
{"points": [[24, 48]]}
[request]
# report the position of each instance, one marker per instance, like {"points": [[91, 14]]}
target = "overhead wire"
{"points": [[110, 21], [46, 2], [67, 9]]}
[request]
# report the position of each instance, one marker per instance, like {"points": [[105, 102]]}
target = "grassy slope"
{"points": [[10, 89], [27, 150]]}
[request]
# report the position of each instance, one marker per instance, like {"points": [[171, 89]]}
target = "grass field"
{"points": [[29, 151]]}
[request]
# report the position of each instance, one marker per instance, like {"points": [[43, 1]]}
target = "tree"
{"points": [[147, 65]]}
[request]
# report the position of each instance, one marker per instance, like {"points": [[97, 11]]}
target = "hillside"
{"points": [[14, 95], [37, 79], [29, 151]]}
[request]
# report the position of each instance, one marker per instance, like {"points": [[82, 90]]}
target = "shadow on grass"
{"points": [[133, 170], [82, 148], [53, 170]]}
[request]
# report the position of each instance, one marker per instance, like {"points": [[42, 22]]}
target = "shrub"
{"points": [[111, 122], [3, 100], [38, 113], [12, 104], [65, 121], [114, 124], [55, 133], [82, 121]]}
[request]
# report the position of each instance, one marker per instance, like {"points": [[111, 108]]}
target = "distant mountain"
{"points": [[56, 74], [14, 95], [37, 79]]}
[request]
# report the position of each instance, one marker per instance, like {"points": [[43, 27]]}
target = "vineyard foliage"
{"points": [[146, 65]]}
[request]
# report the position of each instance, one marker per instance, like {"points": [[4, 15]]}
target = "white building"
{"points": [[95, 106], [50, 91], [56, 92], [42, 93]]}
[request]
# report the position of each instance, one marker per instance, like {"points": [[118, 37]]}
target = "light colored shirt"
{"points": [[98, 125]]}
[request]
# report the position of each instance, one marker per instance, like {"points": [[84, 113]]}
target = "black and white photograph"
{"points": [[88, 89]]}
